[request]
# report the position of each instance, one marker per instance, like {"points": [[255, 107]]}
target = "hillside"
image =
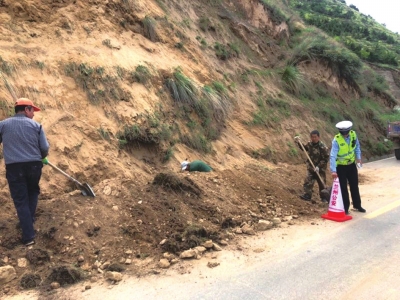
{"points": [[130, 88], [371, 41]]}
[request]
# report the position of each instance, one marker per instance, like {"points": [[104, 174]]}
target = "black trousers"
{"points": [[23, 181], [349, 174]]}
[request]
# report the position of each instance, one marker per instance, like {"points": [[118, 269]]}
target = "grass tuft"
{"points": [[293, 80], [141, 75], [149, 27]]}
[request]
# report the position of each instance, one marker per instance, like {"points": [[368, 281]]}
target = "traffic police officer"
{"points": [[345, 152]]}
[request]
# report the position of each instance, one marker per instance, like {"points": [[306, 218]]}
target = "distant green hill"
{"points": [[370, 40]]}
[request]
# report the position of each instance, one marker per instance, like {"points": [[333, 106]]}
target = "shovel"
{"points": [[85, 188], [324, 192]]}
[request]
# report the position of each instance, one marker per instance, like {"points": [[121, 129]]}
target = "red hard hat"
{"points": [[26, 101]]}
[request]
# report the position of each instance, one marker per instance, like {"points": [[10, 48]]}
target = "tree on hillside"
{"points": [[353, 7]]}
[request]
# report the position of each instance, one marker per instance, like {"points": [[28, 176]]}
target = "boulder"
{"points": [[7, 273], [264, 225]]}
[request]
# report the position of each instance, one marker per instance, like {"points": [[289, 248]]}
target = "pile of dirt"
{"points": [[130, 231]]}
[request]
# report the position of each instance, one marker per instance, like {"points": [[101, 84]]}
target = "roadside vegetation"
{"points": [[361, 34]]}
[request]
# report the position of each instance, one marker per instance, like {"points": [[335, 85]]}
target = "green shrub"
{"points": [[149, 28], [98, 85], [104, 133], [6, 67], [361, 34], [204, 23], [223, 52], [141, 74], [264, 153], [168, 154], [107, 43], [217, 100], [182, 89], [343, 63], [235, 49], [293, 80], [198, 142], [276, 14], [292, 150]]}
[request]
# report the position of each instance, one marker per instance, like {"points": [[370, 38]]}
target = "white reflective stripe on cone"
{"points": [[336, 201]]}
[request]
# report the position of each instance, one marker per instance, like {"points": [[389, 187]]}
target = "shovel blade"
{"points": [[86, 190]]}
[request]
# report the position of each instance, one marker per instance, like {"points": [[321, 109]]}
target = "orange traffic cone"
{"points": [[336, 208]]}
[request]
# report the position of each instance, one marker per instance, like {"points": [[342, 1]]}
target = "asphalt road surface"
{"points": [[357, 259]]}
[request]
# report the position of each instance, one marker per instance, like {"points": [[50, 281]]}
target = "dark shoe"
{"points": [[360, 209], [30, 243], [346, 212], [305, 197]]}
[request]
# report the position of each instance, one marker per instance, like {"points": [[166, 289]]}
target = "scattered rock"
{"points": [[188, 254], [163, 241], [128, 252], [208, 244], [200, 249], [230, 235], [168, 256], [264, 225], [223, 243], [22, 262], [276, 221], [96, 265], [107, 190], [81, 259], [114, 276], [128, 261], [247, 229], [54, 285], [7, 273], [105, 265], [238, 231], [115, 208], [116, 268], [258, 250], [213, 264], [287, 218], [174, 261], [216, 247], [164, 263], [88, 287]]}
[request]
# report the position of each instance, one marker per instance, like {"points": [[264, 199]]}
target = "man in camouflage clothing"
{"points": [[319, 155]]}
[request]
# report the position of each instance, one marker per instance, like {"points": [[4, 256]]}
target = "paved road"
{"points": [[357, 259]]}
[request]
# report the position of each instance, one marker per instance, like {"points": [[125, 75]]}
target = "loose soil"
{"points": [[143, 207], [73, 231]]}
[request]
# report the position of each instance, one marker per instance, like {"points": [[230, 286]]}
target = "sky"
{"points": [[383, 11]]}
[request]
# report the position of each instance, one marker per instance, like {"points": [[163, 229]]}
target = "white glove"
{"points": [[316, 169]]}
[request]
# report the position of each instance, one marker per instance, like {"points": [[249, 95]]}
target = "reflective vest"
{"points": [[346, 154]]}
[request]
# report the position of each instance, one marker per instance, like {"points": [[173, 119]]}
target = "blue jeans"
{"points": [[23, 181]]}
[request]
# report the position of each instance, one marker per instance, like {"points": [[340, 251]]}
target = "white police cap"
{"points": [[344, 125], [184, 165]]}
